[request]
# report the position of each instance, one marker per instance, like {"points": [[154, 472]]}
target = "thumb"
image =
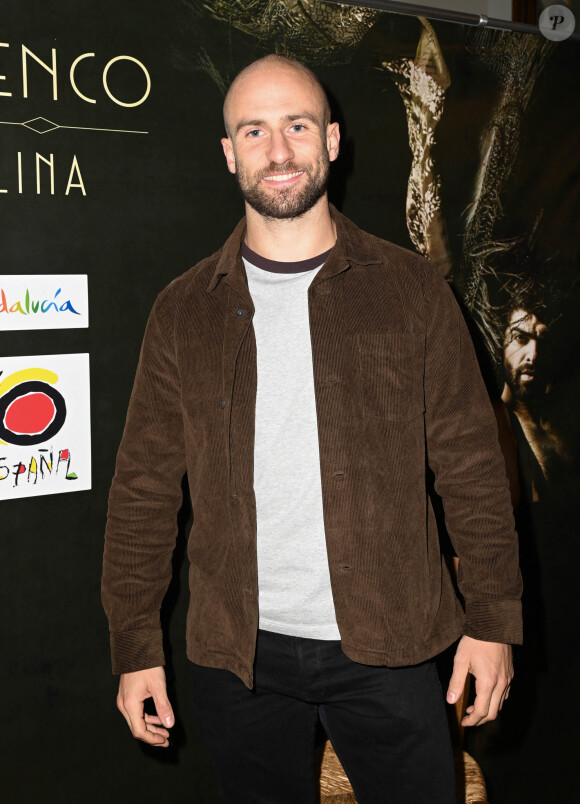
{"points": [[163, 707], [456, 683]]}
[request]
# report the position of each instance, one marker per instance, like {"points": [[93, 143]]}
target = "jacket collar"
{"points": [[352, 247]]}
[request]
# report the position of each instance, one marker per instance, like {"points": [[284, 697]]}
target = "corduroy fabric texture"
{"points": [[397, 388]]}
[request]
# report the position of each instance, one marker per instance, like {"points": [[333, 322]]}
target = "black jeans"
{"points": [[387, 725]]}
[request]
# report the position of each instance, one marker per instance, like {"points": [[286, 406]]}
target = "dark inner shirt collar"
{"points": [[278, 267]]}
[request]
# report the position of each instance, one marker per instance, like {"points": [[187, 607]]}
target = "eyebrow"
{"points": [[515, 330], [289, 118]]}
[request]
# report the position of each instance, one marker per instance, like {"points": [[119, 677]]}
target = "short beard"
{"points": [[289, 202], [527, 392]]}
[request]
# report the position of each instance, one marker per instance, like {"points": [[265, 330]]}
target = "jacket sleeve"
{"points": [[144, 500], [469, 473]]}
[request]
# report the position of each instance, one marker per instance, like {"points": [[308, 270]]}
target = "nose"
{"points": [[279, 148], [531, 351]]}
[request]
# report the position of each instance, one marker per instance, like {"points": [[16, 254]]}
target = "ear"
{"points": [[332, 140], [229, 154]]}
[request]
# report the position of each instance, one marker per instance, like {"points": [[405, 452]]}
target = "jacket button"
{"points": [[240, 312], [222, 402]]}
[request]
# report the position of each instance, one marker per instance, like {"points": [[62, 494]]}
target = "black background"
{"points": [[155, 205]]}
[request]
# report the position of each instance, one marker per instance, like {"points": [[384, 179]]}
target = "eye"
{"points": [[522, 339], [297, 127], [253, 133]]}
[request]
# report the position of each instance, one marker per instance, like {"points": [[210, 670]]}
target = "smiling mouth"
{"points": [[283, 176]]}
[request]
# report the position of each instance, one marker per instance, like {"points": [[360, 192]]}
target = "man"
{"points": [[527, 394], [301, 375]]}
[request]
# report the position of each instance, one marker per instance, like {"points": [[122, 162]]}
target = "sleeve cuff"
{"points": [[136, 650], [495, 621]]}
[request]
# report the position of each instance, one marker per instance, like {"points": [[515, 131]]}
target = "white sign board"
{"points": [[45, 436], [32, 301]]}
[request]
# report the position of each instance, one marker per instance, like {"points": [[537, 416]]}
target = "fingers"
{"points": [[133, 712], [134, 689], [481, 710], [504, 693], [153, 725], [490, 695], [505, 696], [162, 705], [491, 665], [457, 680]]}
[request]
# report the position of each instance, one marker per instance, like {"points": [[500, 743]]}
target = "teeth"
{"points": [[283, 176]]}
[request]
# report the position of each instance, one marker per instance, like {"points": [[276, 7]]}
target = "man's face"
{"points": [[279, 147], [522, 338]]}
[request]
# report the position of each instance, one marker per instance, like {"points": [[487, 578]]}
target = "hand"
{"points": [[490, 663], [134, 689]]}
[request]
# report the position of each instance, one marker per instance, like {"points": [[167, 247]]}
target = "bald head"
{"points": [[280, 142], [270, 67]]}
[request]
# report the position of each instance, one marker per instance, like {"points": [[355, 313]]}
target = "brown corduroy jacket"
{"points": [[397, 390]]}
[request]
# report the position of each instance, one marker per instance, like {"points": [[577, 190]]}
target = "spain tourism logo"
{"points": [[44, 423]]}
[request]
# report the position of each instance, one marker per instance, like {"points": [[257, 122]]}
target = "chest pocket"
{"points": [[391, 375]]}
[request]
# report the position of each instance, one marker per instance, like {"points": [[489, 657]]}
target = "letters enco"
{"points": [[50, 66]]}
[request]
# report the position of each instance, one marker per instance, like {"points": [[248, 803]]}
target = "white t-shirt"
{"points": [[295, 596]]}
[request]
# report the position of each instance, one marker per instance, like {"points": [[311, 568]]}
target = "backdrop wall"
{"points": [[111, 168]]}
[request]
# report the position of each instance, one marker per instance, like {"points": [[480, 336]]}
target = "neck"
{"points": [[291, 239], [531, 411]]}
